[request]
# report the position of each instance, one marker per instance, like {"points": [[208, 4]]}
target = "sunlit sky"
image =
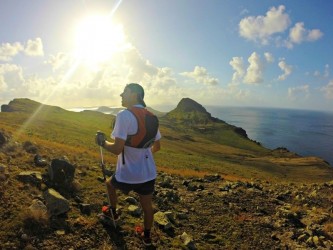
{"points": [[218, 52]]}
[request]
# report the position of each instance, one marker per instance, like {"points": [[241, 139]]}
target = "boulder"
{"points": [[134, 210], [85, 208], [39, 161], [162, 220], [33, 177], [61, 172], [131, 200], [38, 206], [55, 202], [212, 177]]}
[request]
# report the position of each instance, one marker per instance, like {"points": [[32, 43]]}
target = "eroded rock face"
{"points": [[6, 108]]}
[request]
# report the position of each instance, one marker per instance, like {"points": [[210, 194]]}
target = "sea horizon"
{"points": [[304, 132]]}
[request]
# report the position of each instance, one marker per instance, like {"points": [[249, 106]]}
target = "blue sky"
{"points": [[218, 52]]}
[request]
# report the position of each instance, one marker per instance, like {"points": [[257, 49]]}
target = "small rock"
{"points": [[60, 232], [188, 241], [101, 179], [302, 237], [25, 237], [134, 210], [85, 208], [39, 161], [162, 220], [212, 178], [131, 200], [38, 206]]}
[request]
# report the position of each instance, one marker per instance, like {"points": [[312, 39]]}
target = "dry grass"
{"points": [[35, 221], [183, 172], [328, 229]]}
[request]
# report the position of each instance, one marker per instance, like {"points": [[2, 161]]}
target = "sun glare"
{"points": [[97, 39]]}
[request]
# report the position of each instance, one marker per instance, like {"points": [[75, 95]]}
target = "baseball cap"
{"points": [[137, 88]]}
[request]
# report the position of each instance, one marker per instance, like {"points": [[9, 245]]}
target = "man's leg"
{"points": [[148, 213], [112, 194]]}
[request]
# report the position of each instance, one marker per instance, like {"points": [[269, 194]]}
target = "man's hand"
{"points": [[100, 138]]}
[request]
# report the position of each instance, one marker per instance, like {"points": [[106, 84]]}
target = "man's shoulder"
{"points": [[123, 113]]}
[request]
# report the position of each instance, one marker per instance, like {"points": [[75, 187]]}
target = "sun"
{"points": [[97, 39]]}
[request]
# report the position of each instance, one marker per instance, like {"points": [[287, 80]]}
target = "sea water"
{"points": [[307, 133]]}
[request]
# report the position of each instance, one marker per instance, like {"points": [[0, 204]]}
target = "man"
{"points": [[136, 169]]}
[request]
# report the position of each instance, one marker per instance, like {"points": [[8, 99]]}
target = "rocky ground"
{"points": [[191, 213]]}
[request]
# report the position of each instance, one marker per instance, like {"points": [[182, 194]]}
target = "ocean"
{"points": [[307, 133]]}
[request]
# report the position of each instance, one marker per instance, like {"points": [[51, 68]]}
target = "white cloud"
{"points": [[299, 34], [328, 90], [325, 74], [8, 51], [299, 92], [12, 75], [269, 57], [327, 70], [314, 35], [242, 94], [138, 66], [261, 28], [11, 81], [255, 70], [287, 70], [200, 75], [57, 61], [34, 47], [238, 66]]}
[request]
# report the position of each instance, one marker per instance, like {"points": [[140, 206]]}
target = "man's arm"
{"points": [[116, 147], [156, 146]]}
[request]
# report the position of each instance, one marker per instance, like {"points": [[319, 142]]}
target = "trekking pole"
{"points": [[107, 191]]}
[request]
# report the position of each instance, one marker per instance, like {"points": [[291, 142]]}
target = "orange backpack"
{"points": [[147, 129]]}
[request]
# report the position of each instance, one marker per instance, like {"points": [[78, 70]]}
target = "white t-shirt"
{"points": [[139, 164]]}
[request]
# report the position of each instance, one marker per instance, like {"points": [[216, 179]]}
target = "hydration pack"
{"points": [[147, 129]]}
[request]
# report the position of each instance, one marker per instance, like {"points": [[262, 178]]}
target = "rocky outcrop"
{"points": [[6, 108], [61, 172], [33, 177], [190, 112], [55, 202]]}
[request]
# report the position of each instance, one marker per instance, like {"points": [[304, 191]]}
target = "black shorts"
{"points": [[140, 188]]}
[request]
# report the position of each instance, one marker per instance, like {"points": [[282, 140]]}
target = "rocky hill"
{"points": [[40, 211], [27, 106], [214, 188], [191, 112]]}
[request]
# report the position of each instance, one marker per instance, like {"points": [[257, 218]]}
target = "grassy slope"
{"points": [[185, 149]]}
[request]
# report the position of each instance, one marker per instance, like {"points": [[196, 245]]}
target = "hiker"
{"points": [[136, 169]]}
